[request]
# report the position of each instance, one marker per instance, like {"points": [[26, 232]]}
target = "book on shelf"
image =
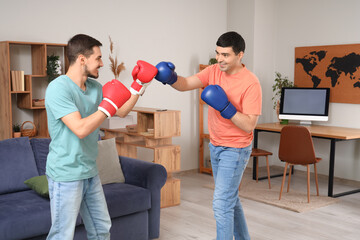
{"points": [[17, 81]]}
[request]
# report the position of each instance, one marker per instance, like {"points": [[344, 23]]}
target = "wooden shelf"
{"points": [[202, 135], [20, 92], [165, 125], [30, 57], [125, 131], [170, 193]]}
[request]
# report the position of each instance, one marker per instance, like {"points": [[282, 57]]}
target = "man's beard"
{"points": [[88, 74]]}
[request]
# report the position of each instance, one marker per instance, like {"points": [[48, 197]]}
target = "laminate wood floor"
{"points": [[193, 218]]}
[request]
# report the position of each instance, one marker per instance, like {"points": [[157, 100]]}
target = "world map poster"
{"points": [[336, 67]]}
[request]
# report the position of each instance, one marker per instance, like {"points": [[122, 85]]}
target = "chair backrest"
{"points": [[296, 145]]}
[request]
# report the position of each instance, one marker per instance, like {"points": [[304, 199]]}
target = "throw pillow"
{"points": [[108, 162], [39, 184]]}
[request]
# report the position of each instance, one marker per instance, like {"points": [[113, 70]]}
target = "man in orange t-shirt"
{"points": [[234, 94]]}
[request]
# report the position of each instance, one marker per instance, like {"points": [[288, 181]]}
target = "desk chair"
{"points": [[257, 152], [297, 148]]}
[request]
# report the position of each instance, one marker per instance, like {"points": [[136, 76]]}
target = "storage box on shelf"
{"points": [[31, 58], [154, 130]]}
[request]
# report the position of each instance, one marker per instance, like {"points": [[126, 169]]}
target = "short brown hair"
{"points": [[81, 44]]}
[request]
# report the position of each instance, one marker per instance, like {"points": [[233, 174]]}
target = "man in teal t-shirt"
{"points": [[75, 109], [63, 97]]}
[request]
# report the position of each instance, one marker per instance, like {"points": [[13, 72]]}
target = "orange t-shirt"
{"points": [[244, 92]]}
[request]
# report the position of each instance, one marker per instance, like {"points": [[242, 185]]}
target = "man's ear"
{"points": [[241, 55], [81, 59]]}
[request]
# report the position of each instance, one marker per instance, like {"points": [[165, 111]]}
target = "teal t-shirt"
{"points": [[71, 158]]}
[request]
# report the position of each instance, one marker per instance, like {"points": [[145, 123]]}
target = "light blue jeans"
{"points": [[228, 165], [67, 199]]}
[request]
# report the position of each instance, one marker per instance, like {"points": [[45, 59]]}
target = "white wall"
{"points": [[184, 32], [279, 27], [241, 19]]}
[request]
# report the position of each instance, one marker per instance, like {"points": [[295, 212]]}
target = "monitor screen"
{"points": [[304, 104]]}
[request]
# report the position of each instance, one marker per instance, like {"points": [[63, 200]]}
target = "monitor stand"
{"points": [[304, 122]]}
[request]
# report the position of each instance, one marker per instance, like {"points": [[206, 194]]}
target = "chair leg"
{"points": [[316, 180], [240, 184], [257, 169], [283, 180], [268, 170], [289, 180], [308, 182]]}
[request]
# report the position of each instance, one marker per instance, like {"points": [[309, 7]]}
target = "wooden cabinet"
{"points": [[32, 59], [155, 129], [203, 137]]}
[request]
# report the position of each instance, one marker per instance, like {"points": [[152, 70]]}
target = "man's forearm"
{"points": [[245, 122], [128, 106], [186, 84], [82, 127]]}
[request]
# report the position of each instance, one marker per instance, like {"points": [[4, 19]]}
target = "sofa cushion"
{"points": [[24, 215], [123, 199], [40, 147], [17, 164], [108, 162]]}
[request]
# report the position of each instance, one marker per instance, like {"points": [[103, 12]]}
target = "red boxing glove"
{"points": [[115, 94], [142, 74]]}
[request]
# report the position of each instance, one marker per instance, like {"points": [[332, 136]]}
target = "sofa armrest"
{"points": [[143, 174], [150, 176]]}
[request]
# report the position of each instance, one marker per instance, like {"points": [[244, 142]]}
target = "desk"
{"points": [[334, 134]]}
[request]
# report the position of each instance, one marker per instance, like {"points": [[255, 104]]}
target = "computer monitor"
{"points": [[304, 104]]}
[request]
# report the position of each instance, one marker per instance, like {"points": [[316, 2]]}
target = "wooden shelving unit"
{"points": [[164, 125], [32, 57], [202, 135]]}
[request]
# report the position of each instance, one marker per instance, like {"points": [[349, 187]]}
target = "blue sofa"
{"points": [[134, 206]]}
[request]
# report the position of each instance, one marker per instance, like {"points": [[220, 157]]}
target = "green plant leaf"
{"points": [[52, 66], [212, 61], [280, 82]]}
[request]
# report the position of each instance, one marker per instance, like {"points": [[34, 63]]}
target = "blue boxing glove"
{"points": [[216, 97], [166, 73]]}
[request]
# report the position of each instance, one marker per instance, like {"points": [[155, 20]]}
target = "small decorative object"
{"points": [[284, 121], [280, 82], [114, 66], [16, 130], [17, 81], [131, 128], [53, 68], [28, 132], [212, 61], [38, 102]]}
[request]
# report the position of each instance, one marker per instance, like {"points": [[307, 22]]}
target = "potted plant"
{"points": [[212, 61], [16, 130], [280, 82], [53, 68]]}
